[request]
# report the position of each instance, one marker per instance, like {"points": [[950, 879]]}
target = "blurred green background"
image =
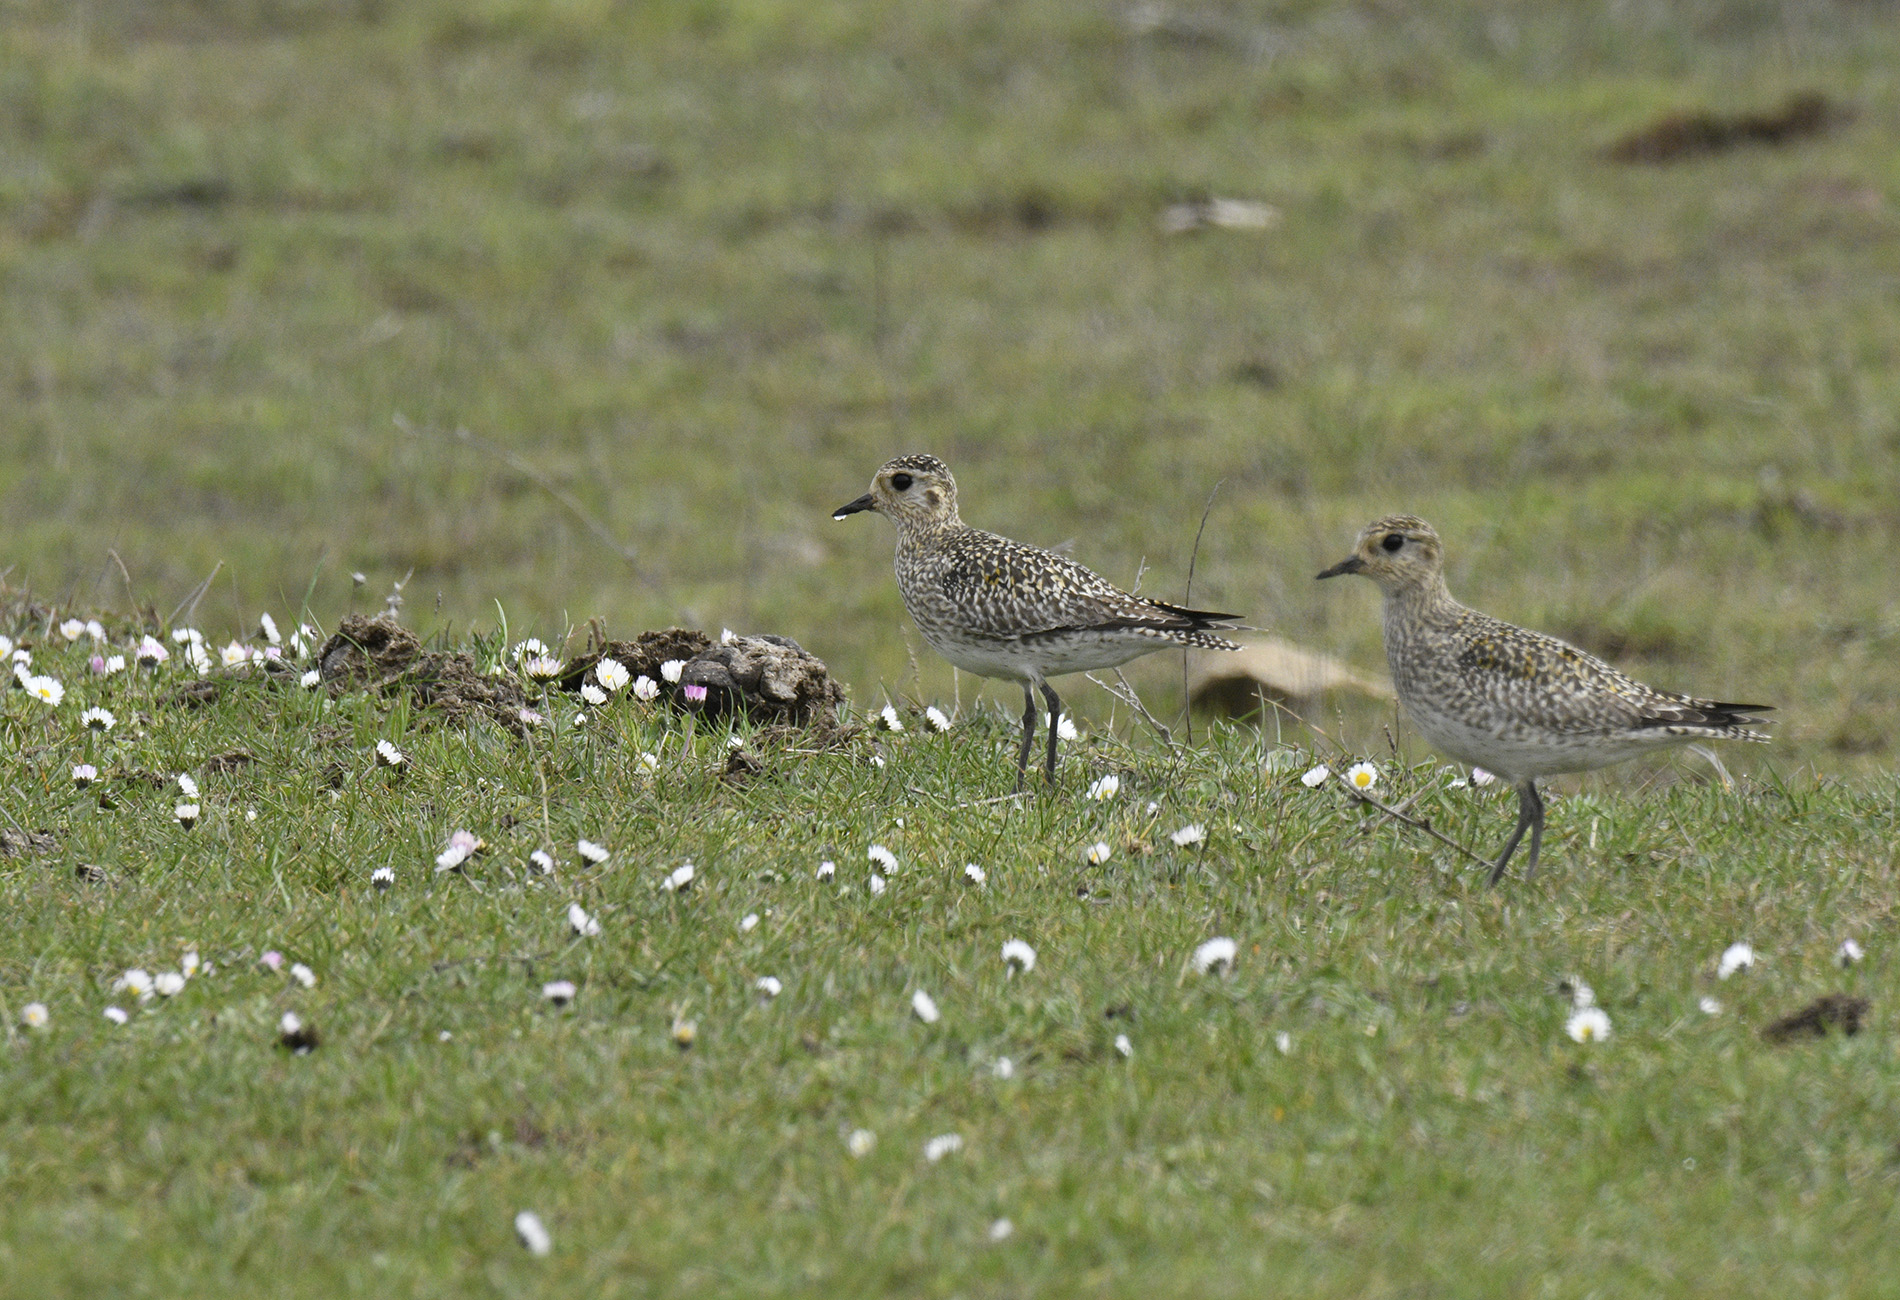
{"points": [[702, 266]]}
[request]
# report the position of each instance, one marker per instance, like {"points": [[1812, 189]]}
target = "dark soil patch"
{"points": [[26, 844], [1831, 1011], [1681, 136], [641, 656], [380, 654], [771, 680], [234, 760]]}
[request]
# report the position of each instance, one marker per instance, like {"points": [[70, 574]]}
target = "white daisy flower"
{"points": [[1362, 776], [671, 670], [580, 922], [187, 636], [6, 647], [559, 992], [1481, 777], [136, 982], [199, 657], [187, 814], [611, 674], [924, 1007], [542, 667], [593, 694], [726, 636], [190, 963], [44, 689], [151, 652], [530, 717], [1849, 953], [1589, 1025], [1105, 788], [942, 1145], [1099, 852], [750, 923], [97, 719], [187, 786], [1019, 956], [936, 718], [974, 874], [1192, 833], [1284, 1042], [1065, 727], [1581, 995], [1710, 1007], [388, 755], [543, 861], [768, 985], [117, 1015], [451, 857], [1003, 1068], [827, 869], [310, 680], [114, 664], [1001, 1230], [24, 658], [533, 1233], [594, 853], [888, 717], [533, 645], [645, 689], [268, 626], [84, 774], [1216, 956], [168, 984], [1736, 957], [34, 1016], [861, 1142], [303, 975], [680, 880], [649, 762], [685, 1032], [882, 857], [235, 653], [875, 884], [73, 628], [384, 877], [1123, 1047]]}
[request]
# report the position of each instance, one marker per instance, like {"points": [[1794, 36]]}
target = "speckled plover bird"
{"points": [[1001, 609], [1514, 702]]}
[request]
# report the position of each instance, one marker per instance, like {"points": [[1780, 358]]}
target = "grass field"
{"points": [[585, 309]]}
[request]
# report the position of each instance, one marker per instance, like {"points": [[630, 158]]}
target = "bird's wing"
{"points": [[1035, 592]]}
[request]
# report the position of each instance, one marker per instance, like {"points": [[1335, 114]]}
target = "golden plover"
{"points": [[1514, 702], [1001, 609]]}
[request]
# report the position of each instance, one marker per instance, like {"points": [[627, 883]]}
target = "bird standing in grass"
{"points": [[1001, 609], [1517, 703]]}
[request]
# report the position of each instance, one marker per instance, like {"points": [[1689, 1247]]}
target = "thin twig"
{"points": [[189, 604], [1187, 602], [1363, 827], [1427, 827], [1126, 694]]}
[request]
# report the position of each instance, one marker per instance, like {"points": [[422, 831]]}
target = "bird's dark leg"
{"points": [[1537, 826], [1530, 816], [1055, 718], [1029, 734]]}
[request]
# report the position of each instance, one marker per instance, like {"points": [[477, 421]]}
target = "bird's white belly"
{"points": [[1029, 660], [1517, 752]]}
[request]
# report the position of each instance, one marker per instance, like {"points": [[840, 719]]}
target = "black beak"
{"points": [[1351, 564], [851, 508]]}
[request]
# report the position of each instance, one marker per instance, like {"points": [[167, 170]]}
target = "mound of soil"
{"points": [[1681, 136], [772, 680], [1831, 1011], [380, 654]]}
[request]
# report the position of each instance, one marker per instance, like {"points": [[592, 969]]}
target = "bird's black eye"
{"points": [[1393, 541], [901, 482]]}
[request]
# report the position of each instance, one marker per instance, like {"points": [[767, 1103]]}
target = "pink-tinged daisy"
{"points": [[97, 719], [272, 960], [1481, 777], [530, 718], [451, 858], [611, 674], [645, 689], [695, 694], [559, 992], [1849, 953], [84, 774], [117, 1015]]}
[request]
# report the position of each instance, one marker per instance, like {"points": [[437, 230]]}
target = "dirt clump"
{"points": [[26, 844], [1680, 136], [769, 680], [381, 654], [1840, 1011]]}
